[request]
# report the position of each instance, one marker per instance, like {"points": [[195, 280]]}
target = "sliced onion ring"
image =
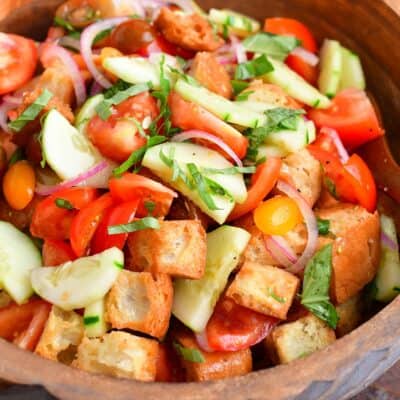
{"points": [[311, 224], [305, 55], [343, 154], [197, 134], [202, 341], [388, 242], [238, 49]]}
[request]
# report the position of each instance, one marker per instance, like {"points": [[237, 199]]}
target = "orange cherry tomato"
{"points": [[19, 185], [277, 216]]}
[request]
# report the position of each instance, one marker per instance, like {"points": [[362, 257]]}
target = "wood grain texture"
{"points": [[370, 27]]}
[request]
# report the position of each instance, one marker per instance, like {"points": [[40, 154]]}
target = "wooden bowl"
{"points": [[371, 28]]}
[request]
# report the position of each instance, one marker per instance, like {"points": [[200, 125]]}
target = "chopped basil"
{"points": [[91, 320], [271, 293], [276, 46], [32, 111], [317, 279], [177, 172], [330, 185], [323, 226], [63, 23], [18, 155], [192, 355], [251, 69], [244, 96], [119, 86], [239, 86], [230, 171], [101, 35], [104, 108], [63, 203], [119, 265], [150, 206], [187, 78], [138, 225]]}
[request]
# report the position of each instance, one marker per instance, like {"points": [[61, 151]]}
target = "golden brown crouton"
{"points": [[178, 248], [217, 365], [141, 302], [192, 32], [263, 288], [61, 336], [293, 340], [119, 354], [350, 315], [356, 249], [211, 74]]}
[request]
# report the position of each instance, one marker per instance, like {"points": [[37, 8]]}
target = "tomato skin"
{"points": [[19, 58], [121, 214], [325, 142], [132, 187], [307, 71], [233, 327], [52, 222], [262, 182], [352, 115], [56, 252], [117, 137], [85, 223]]}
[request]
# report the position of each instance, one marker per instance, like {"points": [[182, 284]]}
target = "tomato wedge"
{"points": [[52, 222], [85, 223], [352, 115], [233, 327], [307, 71], [132, 186], [121, 214], [18, 60], [56, 252], [262, 182]]}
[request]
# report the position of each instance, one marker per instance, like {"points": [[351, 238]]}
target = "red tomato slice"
{"points": [[132, 186], [262, 182], [233, 327], [325, 142], [18, 60], [85, 223], [117, 137], [352, 115], [56, 252], [307, 71], [52, 222], [121, 214]]}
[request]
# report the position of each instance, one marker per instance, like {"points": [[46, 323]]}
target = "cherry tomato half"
{"points": [[56, 252]]}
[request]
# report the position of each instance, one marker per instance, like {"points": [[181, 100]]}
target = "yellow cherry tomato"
{"points": [[277, 216], [19, 185]]}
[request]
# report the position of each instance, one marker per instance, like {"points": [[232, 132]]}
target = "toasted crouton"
{"points": [[216, 365], [61, 336], [356, 249], [178, 248], [192, 32], [293, 340], [350, 315], [119, 354], [141, 302], [263, 288]]}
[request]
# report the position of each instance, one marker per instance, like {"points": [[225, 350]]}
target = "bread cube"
{"points": [[140, 301], [119, 354], [61, 336], [264, 288], [293, 340], [178, 248], [350, 315]]}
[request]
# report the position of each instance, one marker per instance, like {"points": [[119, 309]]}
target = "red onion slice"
{"points": [[388, 242], [238, 49], [12, 100], [305, 55], [276, 252], [197, 134], [202, 341], [51, 51], [343, 154], [285, 248], [87, 38], [311, 224]]}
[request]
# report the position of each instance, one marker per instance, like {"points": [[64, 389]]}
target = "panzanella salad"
{"points": [[179, 186]]}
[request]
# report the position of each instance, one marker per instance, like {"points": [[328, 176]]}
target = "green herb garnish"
{"points": [[192, 355], [239, 86], [330, 185], [244, 95], [63, 23], [138, 225], [63, 203], [271, 293], [18, 155], [230, 171], [90, 320], [150, 206], [101, 35], [323, 226], [252, 69], [119, 265]]}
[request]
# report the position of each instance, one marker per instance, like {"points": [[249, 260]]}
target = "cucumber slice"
{"points": [[228, 111], [239, 24], [79, 283], [94, 319], [68, 152], [18, 257], [388, 276], [267, 151], [194, 300], [203, 157], [87, 112], [330, 67], [295, 85], [352, 71], [256, 106]]}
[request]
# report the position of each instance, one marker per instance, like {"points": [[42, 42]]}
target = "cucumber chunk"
{"points": [[18, 256], [352, 71], [228, 111], [388, 276], [256, 106], [294, 85], [202, 157], [94, 319], [267, 151], [194, 300], [330, 67], [87, 112], [79, 283]]}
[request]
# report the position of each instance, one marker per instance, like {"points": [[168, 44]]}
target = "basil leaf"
{"points": [[101, 35], [316, 284], [276, 46], [177, 172], [63, 23], [271, 293], [119, 86], [63, 203], [239, 86], [192, 355], [244, 96], [119, 265], [18, 155], [32, 111], [150, 206], [230, 171], [91, 320], [251, 69], [282, 119], [323, 226], [139, 225], [330, 185]]}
